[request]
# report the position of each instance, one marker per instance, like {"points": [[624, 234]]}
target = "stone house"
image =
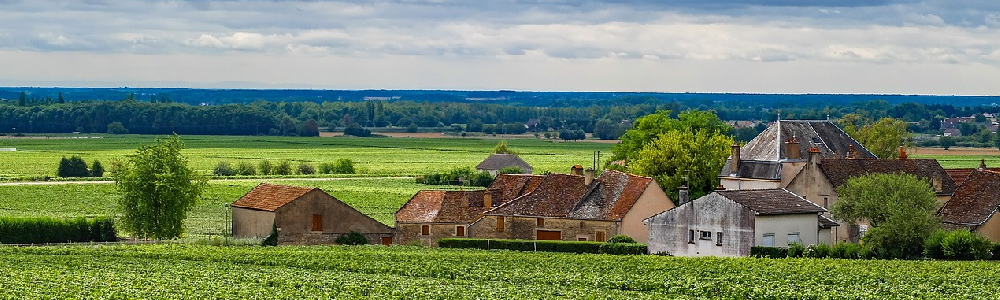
{"points": [[303, 216], [495, 162], [432, 215], [773, 158], [572, 207], [730, 222], [819, 178], [974, 205]]}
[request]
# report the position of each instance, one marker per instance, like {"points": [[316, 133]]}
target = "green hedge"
{"points": [[50, 230], [768, 252], [548, 246]]}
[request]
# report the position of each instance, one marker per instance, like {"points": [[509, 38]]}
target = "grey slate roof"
{"points": [[768, 146], [826, 223], [772, 201], [839, 170], [755, 169], [499, 161]]}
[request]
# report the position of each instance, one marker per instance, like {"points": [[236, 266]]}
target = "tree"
{"points": [[883, 138], [677, 157], [947, 142], [61, 99], [899, 208], [22, 100], [96, 169], [157, 190], [309, 128], [73, 167], [502, 148], [475, 125], [343, 166], [357, 131], [116, 128], [266, 167], [649, 127], [607, 130]]}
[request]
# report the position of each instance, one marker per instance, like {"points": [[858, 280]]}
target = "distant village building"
{"points": [[729, 223], [532, 124], [773, 158], [577, 207], [974, 205], [495, 162], [303, 216]]}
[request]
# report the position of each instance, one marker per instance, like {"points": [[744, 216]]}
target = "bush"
{"points": [[523, 245], [356, 130], [352, 238], [343, 166], [510, 170], [412, 128], [49, 230], [245, 169], [818, 251], [932, 245], [306, 169], [796, 250], [458, 176], [483, 179], [266, 167], [965, 245], [995, 252], [96, 169], [224, 169], [624, 248], [768, 252], [621, 238], [271, 239], [283, 168], [326, 168], [73, 167]]}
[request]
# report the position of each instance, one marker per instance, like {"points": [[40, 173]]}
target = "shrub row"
{"points": [[839, 250], [75, 166], [457, 176], [50, 230], [959, 244], [284, 167], [547, 246]]}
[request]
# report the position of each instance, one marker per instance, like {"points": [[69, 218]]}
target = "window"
{"points": [[540, 222], [317, 222], [706, 235], [826, 202], [459, 230], [768, 240], [718, 238], [425, 229], [582, 239], [793, 238], [600, 236], [690, 236]]}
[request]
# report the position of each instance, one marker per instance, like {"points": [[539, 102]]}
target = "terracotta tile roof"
{"points": [[611, 196], [772, 201], [511, 186], [959, 175], [270, 197], [837, 171], [830, 140], [826, 223], [499, 161], [443, 207], [975, 201], [555, 196]]}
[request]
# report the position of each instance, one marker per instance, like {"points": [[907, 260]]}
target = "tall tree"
{"points": [[882, 138], [682, 157], [899, 207], [61, 99], [648, 128], [157, 190]]}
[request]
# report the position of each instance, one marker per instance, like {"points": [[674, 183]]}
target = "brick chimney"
{"points": [[814, 155], [734, 165], [902, 153], [792, 149], [683, 195], [589, 177], [850, 152], [576, 170]]}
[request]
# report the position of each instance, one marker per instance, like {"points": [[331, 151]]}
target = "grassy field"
{"points": [[37, 157], [378, 272], [378, 198]]}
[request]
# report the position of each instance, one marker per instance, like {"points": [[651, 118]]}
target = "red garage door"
{"points": [[549, 235]]}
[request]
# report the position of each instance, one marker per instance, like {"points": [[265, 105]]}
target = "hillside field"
{"points": [[39, 156]]}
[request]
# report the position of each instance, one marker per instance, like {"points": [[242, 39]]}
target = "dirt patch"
{"points": [[954, 151]]}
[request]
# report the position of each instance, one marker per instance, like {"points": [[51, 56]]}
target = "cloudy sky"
{"points": [[754, 46]]}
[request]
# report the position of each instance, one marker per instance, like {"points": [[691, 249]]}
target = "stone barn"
{"points": [[303, 216], [729, 223], [495, 162]]}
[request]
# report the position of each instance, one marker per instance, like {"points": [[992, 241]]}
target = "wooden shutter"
{"points": [[459, 230], [600, 236], [425, 230], [540, 222], [500, 224], [317, 222], [549, 235]]}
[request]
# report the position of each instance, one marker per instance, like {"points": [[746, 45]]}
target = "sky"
{"points": [[940, 47]]}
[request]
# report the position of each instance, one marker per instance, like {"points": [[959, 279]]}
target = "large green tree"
{"points": [[158, 190], [648, 128], [882, 138], [899, 207]]}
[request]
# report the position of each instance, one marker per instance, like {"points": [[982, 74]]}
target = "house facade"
{"points": [[974, 205], [729, 223], [303, 216]]}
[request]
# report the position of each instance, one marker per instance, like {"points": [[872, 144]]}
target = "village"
{"points": [[776, 191]]}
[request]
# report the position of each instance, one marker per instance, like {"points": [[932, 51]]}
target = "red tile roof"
{"points": [[270, 197], [975, 201], [555, 196], [443, 207], [839, 170], [511, 186], [959, 175]]}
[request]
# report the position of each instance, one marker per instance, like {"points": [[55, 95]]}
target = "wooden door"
{"points": [[387, 240], [317, 223], [549, 235]]}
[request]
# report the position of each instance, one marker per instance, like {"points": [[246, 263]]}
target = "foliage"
{"points": [[883, 138], [510, 170], [271, 239], [352, 238], [412, 128], [224, 169], [965, 245], [946, 142], [932, 245], [266, 167], [899, 207], [621, 238], [357, 131], [158, 190], [608, 130], [677, 158], [457, 176], [96, 169], [502, 148], [343, 166], [283, 168], [245, 168], [650, 127], [768, 252], [73, 167], [306, 169], [796, 250], [624, 249], [116, 128], [309, 128], [52, 230], [570, 135]]}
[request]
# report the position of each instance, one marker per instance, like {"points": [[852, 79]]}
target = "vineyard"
{"points": [[181, 271], [38, 157]]}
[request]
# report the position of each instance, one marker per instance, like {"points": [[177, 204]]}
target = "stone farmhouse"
{"points": [[303, 216], [975, 203], [495, 162], [432, 215], [577, 207], [730, 222]]}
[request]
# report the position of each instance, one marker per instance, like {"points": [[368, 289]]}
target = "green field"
{"points": [[962, 161], [37, 157], [378, 272], [378, 198]]}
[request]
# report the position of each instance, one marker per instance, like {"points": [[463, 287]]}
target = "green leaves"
{"points": [[900, 208], [683, 157]]}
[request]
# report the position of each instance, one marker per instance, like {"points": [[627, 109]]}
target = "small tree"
{"points": [[899, 207], [306, 169], [73, 167], [266, 167], [96, 169], [157, 190], [283, 168], [502, 148], [510, 170], [245, 169], [947, 142], [343, 166], [412, 128], [224, 169], [309, 128]]}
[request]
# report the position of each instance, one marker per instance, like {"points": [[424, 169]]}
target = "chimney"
{"points": [[734, 164], [792, 149], [982, 164], [576, 170], [720, 187], [814, 155], [902, 153], [683, 196], [589, 177], [850, 152]]}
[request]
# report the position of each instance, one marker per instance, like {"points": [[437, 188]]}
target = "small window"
{"points": [[718, 238], [582, 239], [826, 202], [459, 230], [540, 222], [600, 236], [793, 238], [768, 240], [387, 240], [317, 222], [706, 235], [690, 236], [500, 224], [425, 229]]}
